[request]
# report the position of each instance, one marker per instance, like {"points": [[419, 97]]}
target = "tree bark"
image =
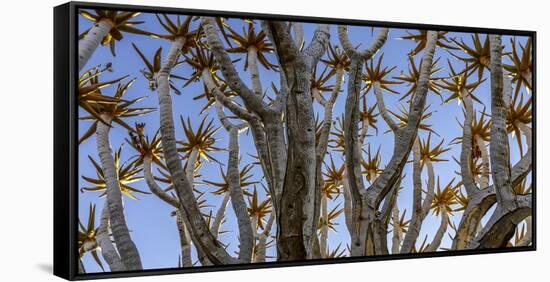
{"points": [[382, 107], [185, 240], [220, 214], [246, 237], [485, 166], [253, 71], [297, 228], [108, 250], [127, 249], [511, 209], [436, 242], [262, 240], [421, 208], [207, 242], [480, 201], [397, 232], [323, 236], [348, 206], [153, 186], [500, 149], [90, 42]]}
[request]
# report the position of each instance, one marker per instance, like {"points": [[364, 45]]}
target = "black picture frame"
{"points": [[66, 138]]}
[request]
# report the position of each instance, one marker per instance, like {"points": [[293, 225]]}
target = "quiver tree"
{"points": [[107, 29], [366, 202], [316, 170], [104, 116]]}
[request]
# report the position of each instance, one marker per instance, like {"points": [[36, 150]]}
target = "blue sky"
{"points": [[153, 229]]}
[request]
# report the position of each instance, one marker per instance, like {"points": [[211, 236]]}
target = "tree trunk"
{"points": [[323, 237], [420, 208], [108, 250], [153, 186], [397, 232], [511, 209], [353, 157], [220, 214], [485, 169], [262, 240], [253, 71], [90, 42], [500, 149], [246, 237], [436, 242], [126, 247], [296, 229], [185, 241], [207, 242], [348, 207]]}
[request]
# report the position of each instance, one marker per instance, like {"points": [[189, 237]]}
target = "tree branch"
{"points": [[108, 250], [500, 150], [253, 102], [207, 242]]}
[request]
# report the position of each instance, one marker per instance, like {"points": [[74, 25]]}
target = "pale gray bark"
{"points": [[500, 149], [323, 236], [366, 202], [253, 70], [204, 239], [190, 166], [297, 228], [348, 207], [466, 149], [235, 193], [230, 74], [353, 158], [397, 233], [382, 107], [321, 150], [421, 207], [327, 117], [126, 247], [511, 209], [298, 33], [317, 96], [381, 222], [471, 217], [108, 250], [268, 133], [352, 146], [220, 214], [436, 242], [502, 224], [481, 201], [485, 166], [90, 42], [185, 240], [153, 186], [262, 240], [507, 85], [246, 237], [407, 134]]}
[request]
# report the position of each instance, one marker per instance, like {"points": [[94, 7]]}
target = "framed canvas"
{"points": [[192, 140]]}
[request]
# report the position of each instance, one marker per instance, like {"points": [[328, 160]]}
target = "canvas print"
{"points": [[212, 141]]}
